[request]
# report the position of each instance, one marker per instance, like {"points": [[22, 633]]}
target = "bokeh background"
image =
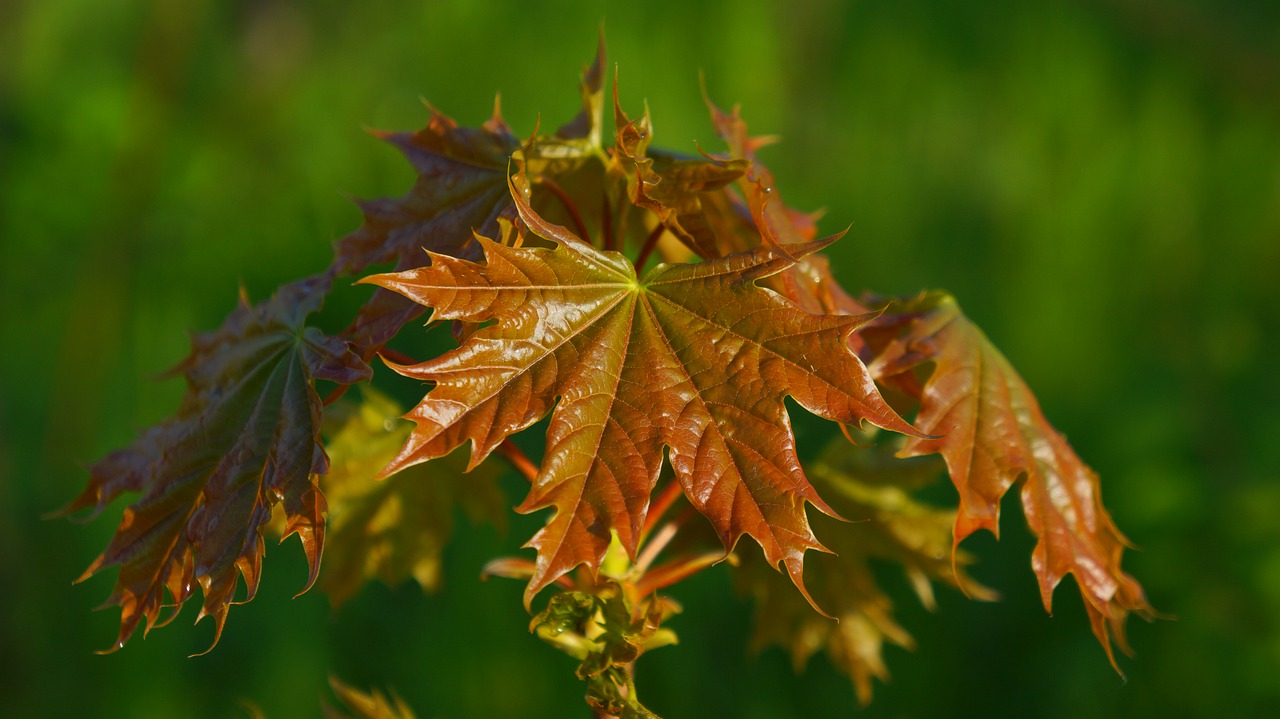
{"points": [[1097, 181]]}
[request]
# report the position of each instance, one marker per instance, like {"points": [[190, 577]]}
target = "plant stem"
{"points": [[606, 222], [660, 541], [669, 495], [652, 549], [335, 394], [397, 356], [647, 248], [571, 208], [518, 459], [664, 575]]}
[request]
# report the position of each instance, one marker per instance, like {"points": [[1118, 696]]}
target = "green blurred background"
{"points": [[1098, 182]]}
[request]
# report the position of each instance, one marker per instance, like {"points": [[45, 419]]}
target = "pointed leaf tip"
{"points": [[985, 422]]}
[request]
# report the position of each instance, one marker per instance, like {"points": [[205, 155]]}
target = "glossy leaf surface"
{"points": [[460, 190], [693, 358], [684, 194], [991, 433]]}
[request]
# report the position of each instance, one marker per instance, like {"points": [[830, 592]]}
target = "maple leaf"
{"points": [[683, 193], [991, 432], [245, 439], [461, 189], [394, 528], [873, 489], [359, 705], [694, 358], [763, 217], [778, 223]]}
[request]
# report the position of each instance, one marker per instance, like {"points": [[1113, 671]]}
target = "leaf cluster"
{"points": [[665, 389]]}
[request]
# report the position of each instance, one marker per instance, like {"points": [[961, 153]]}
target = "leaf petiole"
{"points": [[650, 243], [518, 459], [672, 492], [569, 206]]}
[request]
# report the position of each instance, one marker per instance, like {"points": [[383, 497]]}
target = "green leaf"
{"points": [[607, 629], [396, 528], [871, 488]]}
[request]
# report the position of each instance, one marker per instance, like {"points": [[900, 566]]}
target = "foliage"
{"points": [[245, 439], [396, 528], [670, 380]]}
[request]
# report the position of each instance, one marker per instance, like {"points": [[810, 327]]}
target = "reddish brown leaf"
{"points": [[461, 186], [587, 125], [991, 433], [809, 283], [246, 437], [694, 358], [776, 222], [684, 193], [461, 189]]}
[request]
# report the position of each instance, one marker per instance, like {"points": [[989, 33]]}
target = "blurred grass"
{"points": [[1098, 183]]}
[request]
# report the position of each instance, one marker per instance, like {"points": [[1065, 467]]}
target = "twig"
{"points": [[652, 549], [676, 570]]}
